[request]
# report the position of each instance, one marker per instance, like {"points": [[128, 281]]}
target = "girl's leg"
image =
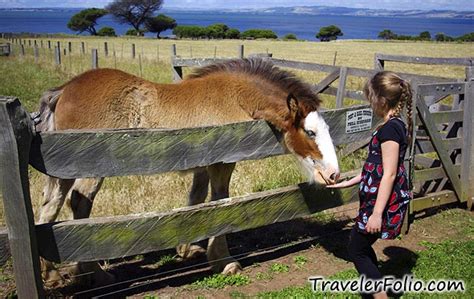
{"points": [[363, 256]]}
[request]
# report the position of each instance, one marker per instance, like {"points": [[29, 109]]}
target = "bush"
{"points": [[190, 31], [469, 37], [232, 34], [134, 32], [259, 33], [106, 31], [441, 37], [290, 36], [425, 35]]}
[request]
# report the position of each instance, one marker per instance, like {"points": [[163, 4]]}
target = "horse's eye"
{"points": [[310, 133]]}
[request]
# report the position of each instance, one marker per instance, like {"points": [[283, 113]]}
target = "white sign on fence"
{"points": [[358, 120]]}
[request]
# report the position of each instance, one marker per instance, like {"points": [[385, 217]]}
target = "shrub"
{"points": [[134, 32], [106, 31], [259, 33], [290, 36]]}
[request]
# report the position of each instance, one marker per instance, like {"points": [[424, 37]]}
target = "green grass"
{"points": [[27, 81], [220, 281], [279, 268], [300, 260], [447, 260]]}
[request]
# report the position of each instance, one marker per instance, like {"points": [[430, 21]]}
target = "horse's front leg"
{"points": [[197, 195], [82, 199], [217, 250]]}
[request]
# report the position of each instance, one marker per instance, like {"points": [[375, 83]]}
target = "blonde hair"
{"points": [[387, 91]]}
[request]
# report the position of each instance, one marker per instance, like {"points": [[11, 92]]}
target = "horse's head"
{"points": [[306, 134]]}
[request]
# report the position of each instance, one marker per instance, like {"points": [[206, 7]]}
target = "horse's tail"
{"points": [[48, 102]]}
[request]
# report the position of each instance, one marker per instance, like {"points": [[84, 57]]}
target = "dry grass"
{"points": [[124, 195]]}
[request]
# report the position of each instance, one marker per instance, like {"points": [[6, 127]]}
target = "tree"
{"points": [[387, 34], [232, 33], [106, 31], [259, 33], [290, 36], [441, 37], [329, 33], [134, 32], [190, 32], [468, 37], [133, 12], [425, 35], [159, 24], [86, 20], [216, 30]]}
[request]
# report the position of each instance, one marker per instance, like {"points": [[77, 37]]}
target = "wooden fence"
{"points": [[103, 153]]}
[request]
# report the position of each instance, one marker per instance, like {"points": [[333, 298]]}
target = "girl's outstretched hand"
{"points": [[345, 184], [342, 184]]}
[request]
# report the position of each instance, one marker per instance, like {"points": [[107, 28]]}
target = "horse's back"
{"points": [[97, 99]]}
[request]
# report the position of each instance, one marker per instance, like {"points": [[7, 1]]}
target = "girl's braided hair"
{"points": [[387, 91]]}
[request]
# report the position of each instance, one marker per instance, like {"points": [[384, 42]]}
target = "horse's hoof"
{"points": [[232, 268], [188, 252], [53, 279]]}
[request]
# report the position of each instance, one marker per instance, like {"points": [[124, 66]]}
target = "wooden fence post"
{"points": [[106, 49], [241, 51], [36, 53], [83, 48], [57, 55], [176, 70], [467, 165], [133, 51], [341, 90], [379, 64], [69, 47], [49, 44], [95, 59], [22, 50], [16, 133]]}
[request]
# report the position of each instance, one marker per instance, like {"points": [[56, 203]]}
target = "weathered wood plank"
{"points": [[434, 200], [351, 94], [441, 89], [467, 172], [450, 144], [437, 143], [113, 237], [4, 246], [341, 88], [323, 84], [195, 62], [433, 173], [102, 153], [305, 66], [447, 116], [15, 139], [468, 61]]}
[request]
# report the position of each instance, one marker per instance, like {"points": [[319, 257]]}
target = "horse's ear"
{"points": [[292, 103]]}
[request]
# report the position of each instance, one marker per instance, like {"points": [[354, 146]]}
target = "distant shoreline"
{"points": [[299, 10]]}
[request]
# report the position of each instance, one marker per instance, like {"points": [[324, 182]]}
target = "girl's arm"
{"points": [[390, 154], [345, 184]]}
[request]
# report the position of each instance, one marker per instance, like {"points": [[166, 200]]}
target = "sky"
{"points": [[211, 4]]}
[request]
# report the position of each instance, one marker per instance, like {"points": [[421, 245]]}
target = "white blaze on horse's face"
{"points": [[326, 170]]}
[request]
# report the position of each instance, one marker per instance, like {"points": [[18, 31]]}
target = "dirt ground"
{"points": [[320, 242]]}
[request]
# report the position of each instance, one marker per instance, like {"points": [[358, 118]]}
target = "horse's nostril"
{"points": [[333, 177]]}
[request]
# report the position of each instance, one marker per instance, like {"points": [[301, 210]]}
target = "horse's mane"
{"points": [[265, 70]]}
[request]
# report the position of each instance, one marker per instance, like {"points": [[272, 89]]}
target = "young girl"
{"points": [[383, 185]]}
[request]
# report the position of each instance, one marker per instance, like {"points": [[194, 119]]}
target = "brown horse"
{"points": [[233, 91]]}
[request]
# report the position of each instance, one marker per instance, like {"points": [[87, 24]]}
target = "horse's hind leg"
{"points": [[197, 195], [54, 193], [82, 198], [217, 250]]}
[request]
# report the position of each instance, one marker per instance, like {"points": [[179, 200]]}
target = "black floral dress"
{"points": [[372, 172]]}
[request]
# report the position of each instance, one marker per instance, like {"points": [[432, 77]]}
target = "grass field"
{"points": [[27, 80]]}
